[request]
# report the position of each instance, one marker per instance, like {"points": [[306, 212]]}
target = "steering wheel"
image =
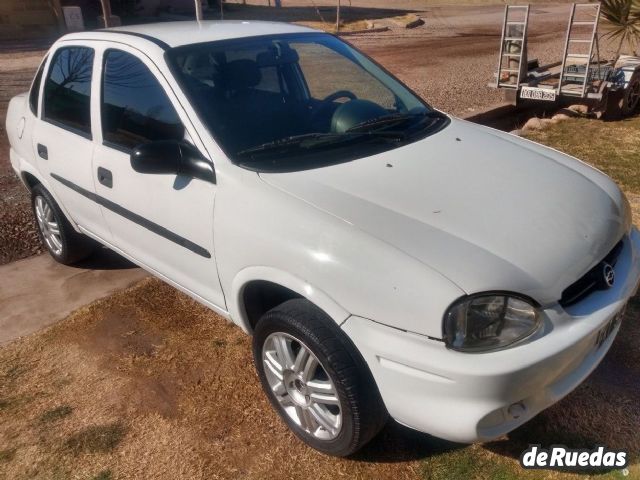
{"points": [[326, 102], [339, 94]]}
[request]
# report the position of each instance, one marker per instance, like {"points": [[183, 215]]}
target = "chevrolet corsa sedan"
{"points": [[387, 258]]}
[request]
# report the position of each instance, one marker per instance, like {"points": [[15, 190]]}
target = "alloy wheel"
{"points": [[302, 386], [49, 227]]}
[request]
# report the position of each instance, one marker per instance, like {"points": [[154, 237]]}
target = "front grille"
{"points": [[591, 281]]}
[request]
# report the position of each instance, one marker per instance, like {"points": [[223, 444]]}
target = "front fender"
{"points": [[285, 279], [263, 233]]}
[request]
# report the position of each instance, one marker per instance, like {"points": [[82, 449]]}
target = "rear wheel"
{"points": [[63, 243], [316, 379]]}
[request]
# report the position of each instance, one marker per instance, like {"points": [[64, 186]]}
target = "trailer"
{"points": [[611, 87]]}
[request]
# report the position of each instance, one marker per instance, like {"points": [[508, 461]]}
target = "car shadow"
{"points": [[397, 443], [105, 259]]}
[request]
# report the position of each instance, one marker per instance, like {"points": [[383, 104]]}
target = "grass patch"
{"points": [[103, 475], [14, 372], [613, 147], [97, 438], [56, 414], [8, 403], [330, 27], [7, 455], [468, 464]]}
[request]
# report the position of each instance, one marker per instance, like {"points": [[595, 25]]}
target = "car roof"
{"points": [[176, 34]]}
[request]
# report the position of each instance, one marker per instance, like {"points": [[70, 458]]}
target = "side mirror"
{"points": [[172, 157]]}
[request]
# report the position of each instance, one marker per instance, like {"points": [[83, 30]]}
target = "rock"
{"points": [[568, 113], [534, 123], [559, 117], [579, 109], [370, 24], [408, 21], [415, 23]]}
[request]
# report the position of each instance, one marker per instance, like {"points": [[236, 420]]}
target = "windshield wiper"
{"points": [[373, 124], [314, 140]]}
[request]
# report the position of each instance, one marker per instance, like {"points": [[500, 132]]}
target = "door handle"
{"points": [[105, 177], [43, 152]]}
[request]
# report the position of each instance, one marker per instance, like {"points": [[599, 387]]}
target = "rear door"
{"points": [[164, 221], [63, 134]]}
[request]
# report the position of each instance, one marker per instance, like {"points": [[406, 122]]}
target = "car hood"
{"points": [[485, 209]]}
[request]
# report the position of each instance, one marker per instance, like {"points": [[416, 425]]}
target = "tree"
{"points": [[622, 21]]}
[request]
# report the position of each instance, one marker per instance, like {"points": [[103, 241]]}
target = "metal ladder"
{"points": [[581, 57], [513, 46]]}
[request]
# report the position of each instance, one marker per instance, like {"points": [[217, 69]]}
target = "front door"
{"points": [[164, 221]]}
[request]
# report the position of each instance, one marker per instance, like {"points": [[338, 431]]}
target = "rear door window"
{"points": [[67, 90], [135, 107]]}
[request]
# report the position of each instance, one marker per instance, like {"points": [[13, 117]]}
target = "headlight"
{"points": [[488, 322]]}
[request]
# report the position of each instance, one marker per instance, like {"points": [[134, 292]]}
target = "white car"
{"points": [[388, 259]]}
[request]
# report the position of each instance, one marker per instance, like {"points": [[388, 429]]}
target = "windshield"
{"points": [[298, 101]]}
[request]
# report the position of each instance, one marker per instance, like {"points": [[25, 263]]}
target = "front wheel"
{"points": [[316, 379]]}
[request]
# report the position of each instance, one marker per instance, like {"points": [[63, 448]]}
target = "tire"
{"points": [[333, 391], [624, 103], [631, 96], [63, 243]]}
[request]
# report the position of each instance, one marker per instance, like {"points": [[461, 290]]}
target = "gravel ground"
{"points": [[448, 61], [452, 58], [18, 238]]}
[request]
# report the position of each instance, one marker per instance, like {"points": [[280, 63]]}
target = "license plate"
{"points": [[611, 325], [533, 93]]}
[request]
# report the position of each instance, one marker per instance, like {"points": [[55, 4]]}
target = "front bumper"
{"points": [[469, 397]]}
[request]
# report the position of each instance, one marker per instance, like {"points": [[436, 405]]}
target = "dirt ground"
{"points": [[448, 61], [18, 238]]}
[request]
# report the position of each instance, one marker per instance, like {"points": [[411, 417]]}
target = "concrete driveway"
{"points": [[36, 292]]}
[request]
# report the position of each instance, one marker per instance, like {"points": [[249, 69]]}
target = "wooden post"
{"points": [[198, 9], [106, 12], [57, 11], [338, 17]]}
